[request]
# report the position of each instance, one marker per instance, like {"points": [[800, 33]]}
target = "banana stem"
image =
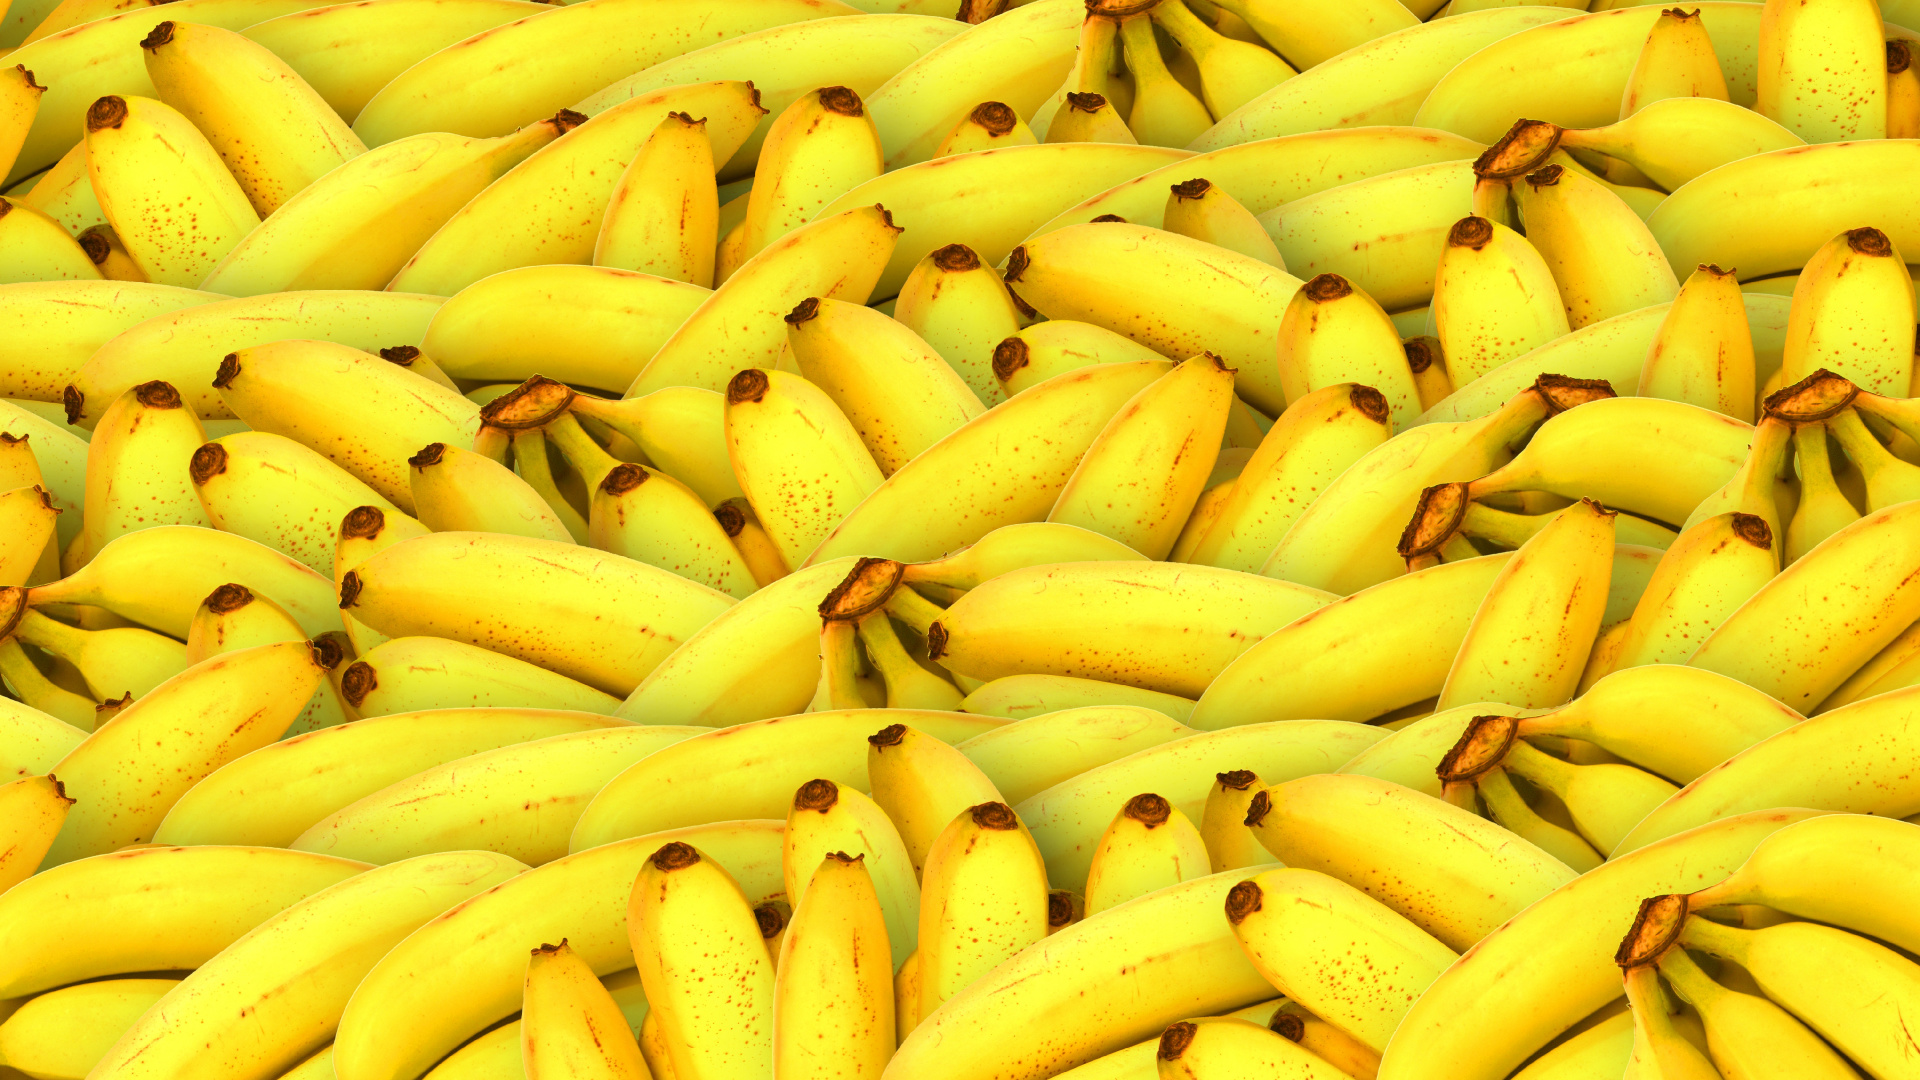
{"points": [[1540, 769], [1715, 939], [588, 458], [914, 610], [530, 461], [840, 666], [54, 636], [1692, 984]]}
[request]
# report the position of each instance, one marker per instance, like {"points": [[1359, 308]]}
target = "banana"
{"points": [[828, 818], [364, 532], [1660, 1051], [150, 166], [31, 741], [821, 146], [391, 200], [197, 902], [983, 899], [65, 193], [1202, 298], [761, 763], [551, 206], [1333, 333], [59, 457], [1870, 614], [233, 618], [19, 101], [1230, 1046], [1903, 92], [481, 946], [1676, 61], [958, 305], [66, 16], [318, 949], [1605, 800], [1019, 59], [992, 125], [577, 53], [1164, 112], [663, 216], [137, 465], [1857, 280], [1494, 299], [897, 391], [109, 255], [1305, 40], [837, 258], [115, 661], [185, 347], [1097, 986], [1022, 697], [1383, 233], [833, 1002], [1223, 828], [1887, 479], [1232, 73], [909, 684], [1035, 621], [935, 505], [36, 806], [416, 674], [1138, 480], [798, 457], [36, 248], [273, 490], [571, 1025], [494, 1053], [51, 328], [1698, 451], [27, 521], [1032, 355], [1890, 669], [289, 786], [706, 973], [1199, 209], [1016, 547], [1747, 1034], [25, 681], [1676, 139], [1148, 847], [666, 525], [66, 1032], [275, 133], [1293, 923], [1822, 71], [1026, 758], [638, 613], [1760, 215], [1571, 219], [346, 54], [363, 413], [1709, 572], [1797, 870], [923, 784], [1412, 755], [1088, 107], [1703, 352], [682, 431], [1068, 819], [459, 489]]}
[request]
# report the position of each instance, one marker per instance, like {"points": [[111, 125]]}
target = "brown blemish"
{"points": [[157, 394], [804, 311], [956, 259], [1326, 288], [994, 816], [1175, 1040], [1237, 780], [841, 100], [358, 681], [108, 112], [748, 385], [1525, 145], [208, 462]]}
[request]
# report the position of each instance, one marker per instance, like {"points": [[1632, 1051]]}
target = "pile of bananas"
{"points": [[959, 540]]}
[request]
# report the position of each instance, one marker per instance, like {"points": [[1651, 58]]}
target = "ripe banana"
{"points": [[36, 807], [1856, 280], [983, 900], [19, 101], [653, 518], [1149, 846], [1199, 209], [52, 327], [37, 248], [959, 306], [151, 167], [570, 1024], [459, 489], [663, 216], [1703, 354], [833, 1002], [992, 125], [1025, 759], [66, 1032], [1383, 233], [820, 146], [114, 661], [1713, 568], [798, 457], [923, 784], [1794, 872], [828, 818], [1747, 1032], [416, 674], [1032, 355], [1675, 139], [1016, 547], [1677, 61], [32, 741], [1822, 70], [1022, 697], [1494, 299], [27, 521], [273, 490], [136, 463], [233, 618], [1223, 825]]}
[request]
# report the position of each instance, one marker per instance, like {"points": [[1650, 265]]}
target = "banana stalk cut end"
{"points": [[1482, 747], [534, 403], [1520, 151], [1656, 927], [1812, 399], [865, 589], [1436, 518]]}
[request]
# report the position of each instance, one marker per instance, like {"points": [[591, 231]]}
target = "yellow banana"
{"points": [[198, 901], [821, 146], [1794, 872], [1294, 923], [1660, 1051], [1383, 233], [1890, 669], [290, 785], [550, 207], [826, 818], [137, 466], [663, 216], [415, 674], [1494, 299], [355, 227], [1746, 1033], [1903, 92], [1305, 39], [681, 429], [1199, 209], [1232, 73], [64, 192], [19, 101], [1234, 1046], [640, 613], [364, 532], [1857, 280], [1709, 572], [1022, 697], [27, 521], [1139, 478], [1703, 353], [992, 125], [25, 681], [1016, 547], [1223, 824], [959, 306], [1676, 61], [59, 457], [51, 328], [1570, 219], [799, 459], [459, 489], [1887, 479], [570, 1025], [1025, 759], [1149, 846], [1822, 70], [1033, 354], [1163, 113], [233, 618], [36, 807], [275, 133], [1333, 333], [152, 168], [185, 347], [103, 246], [983, 899], [1676, 139], [922, 783], [65, 1033], [31, 740], [36, 248], [833, 1003], [909, 684], [1823, 508], [1605, 800], [271, 489], [665, 524], [114, 661]]}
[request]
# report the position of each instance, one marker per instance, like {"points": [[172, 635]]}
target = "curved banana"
{"points": [[1797, 869], [799, 458], [1713, 568], [233, 618], [150, 166], [820, 146], [1677, 61], [19, 101], [1016, 547], [27, 521], [1857, 280], [1026, 758], [1675, 139], [1148, 846], [924, 785], [1383, 233], [136, 463], [984, 128], [833, 1005], [66, 1032], [653, 518], [1822, 71], [1747, 1032], [983, 900], [50, 328], [663, 215], [273, 490], [1494, 299], [1232, 72], [961, 307], [1199, 209], [1632, 714], [1021, 697], [36, 807], [827, 818], [37, 248], [571, 1025], [114, 661], [418, 674], [1703, 354], [459, 489]]}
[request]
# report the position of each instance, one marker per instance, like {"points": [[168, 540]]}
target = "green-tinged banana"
{"points": [[1306, 39], [1712, 569], [923, 784], [416, 674], [1097, 986], [1538, 619], [1148, 847], [274, 132], [1181, 296], [550, 207], [799, 458], [896, 390], [1333, 333], [663, 215], [103, 246], [826, 818], [761, 764], [164, 189], [959, 306], [64, 192], [1351, 960], [738, 326], [472, 960], [571, 1025], [833, 1007], [698, 949], [1034, 621], [31, 742], [1021, 697], [346, 54], [1383, 233], [1223, 824], [1163, 112], [316, 951], [114, 661], [52, 327], [137, 465], [1026, 758], [1138, 480], [355, 227], [983, 900], [1660, 1051], [1856, 281], [361, 412], [185, 347], [1748, 1035], [1886, 478], [36, 248], [1204, 211], [1697, 451], [27, 527], [273, 490], [232, 618], [64, 1034], [589, 615], [1703, 353], [1034, 354], [653, 518], [1494, 299], [1068, 819], [35, 807], [71, 922], [1822, 70], [1678, 138], [821, 146], [1605, 800], [1234, 1046], [1676, 61], [453, 488], [681, 429], [1232, 73], [1848, 870], [992, 125], [936, 505], [1602, 256]]}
